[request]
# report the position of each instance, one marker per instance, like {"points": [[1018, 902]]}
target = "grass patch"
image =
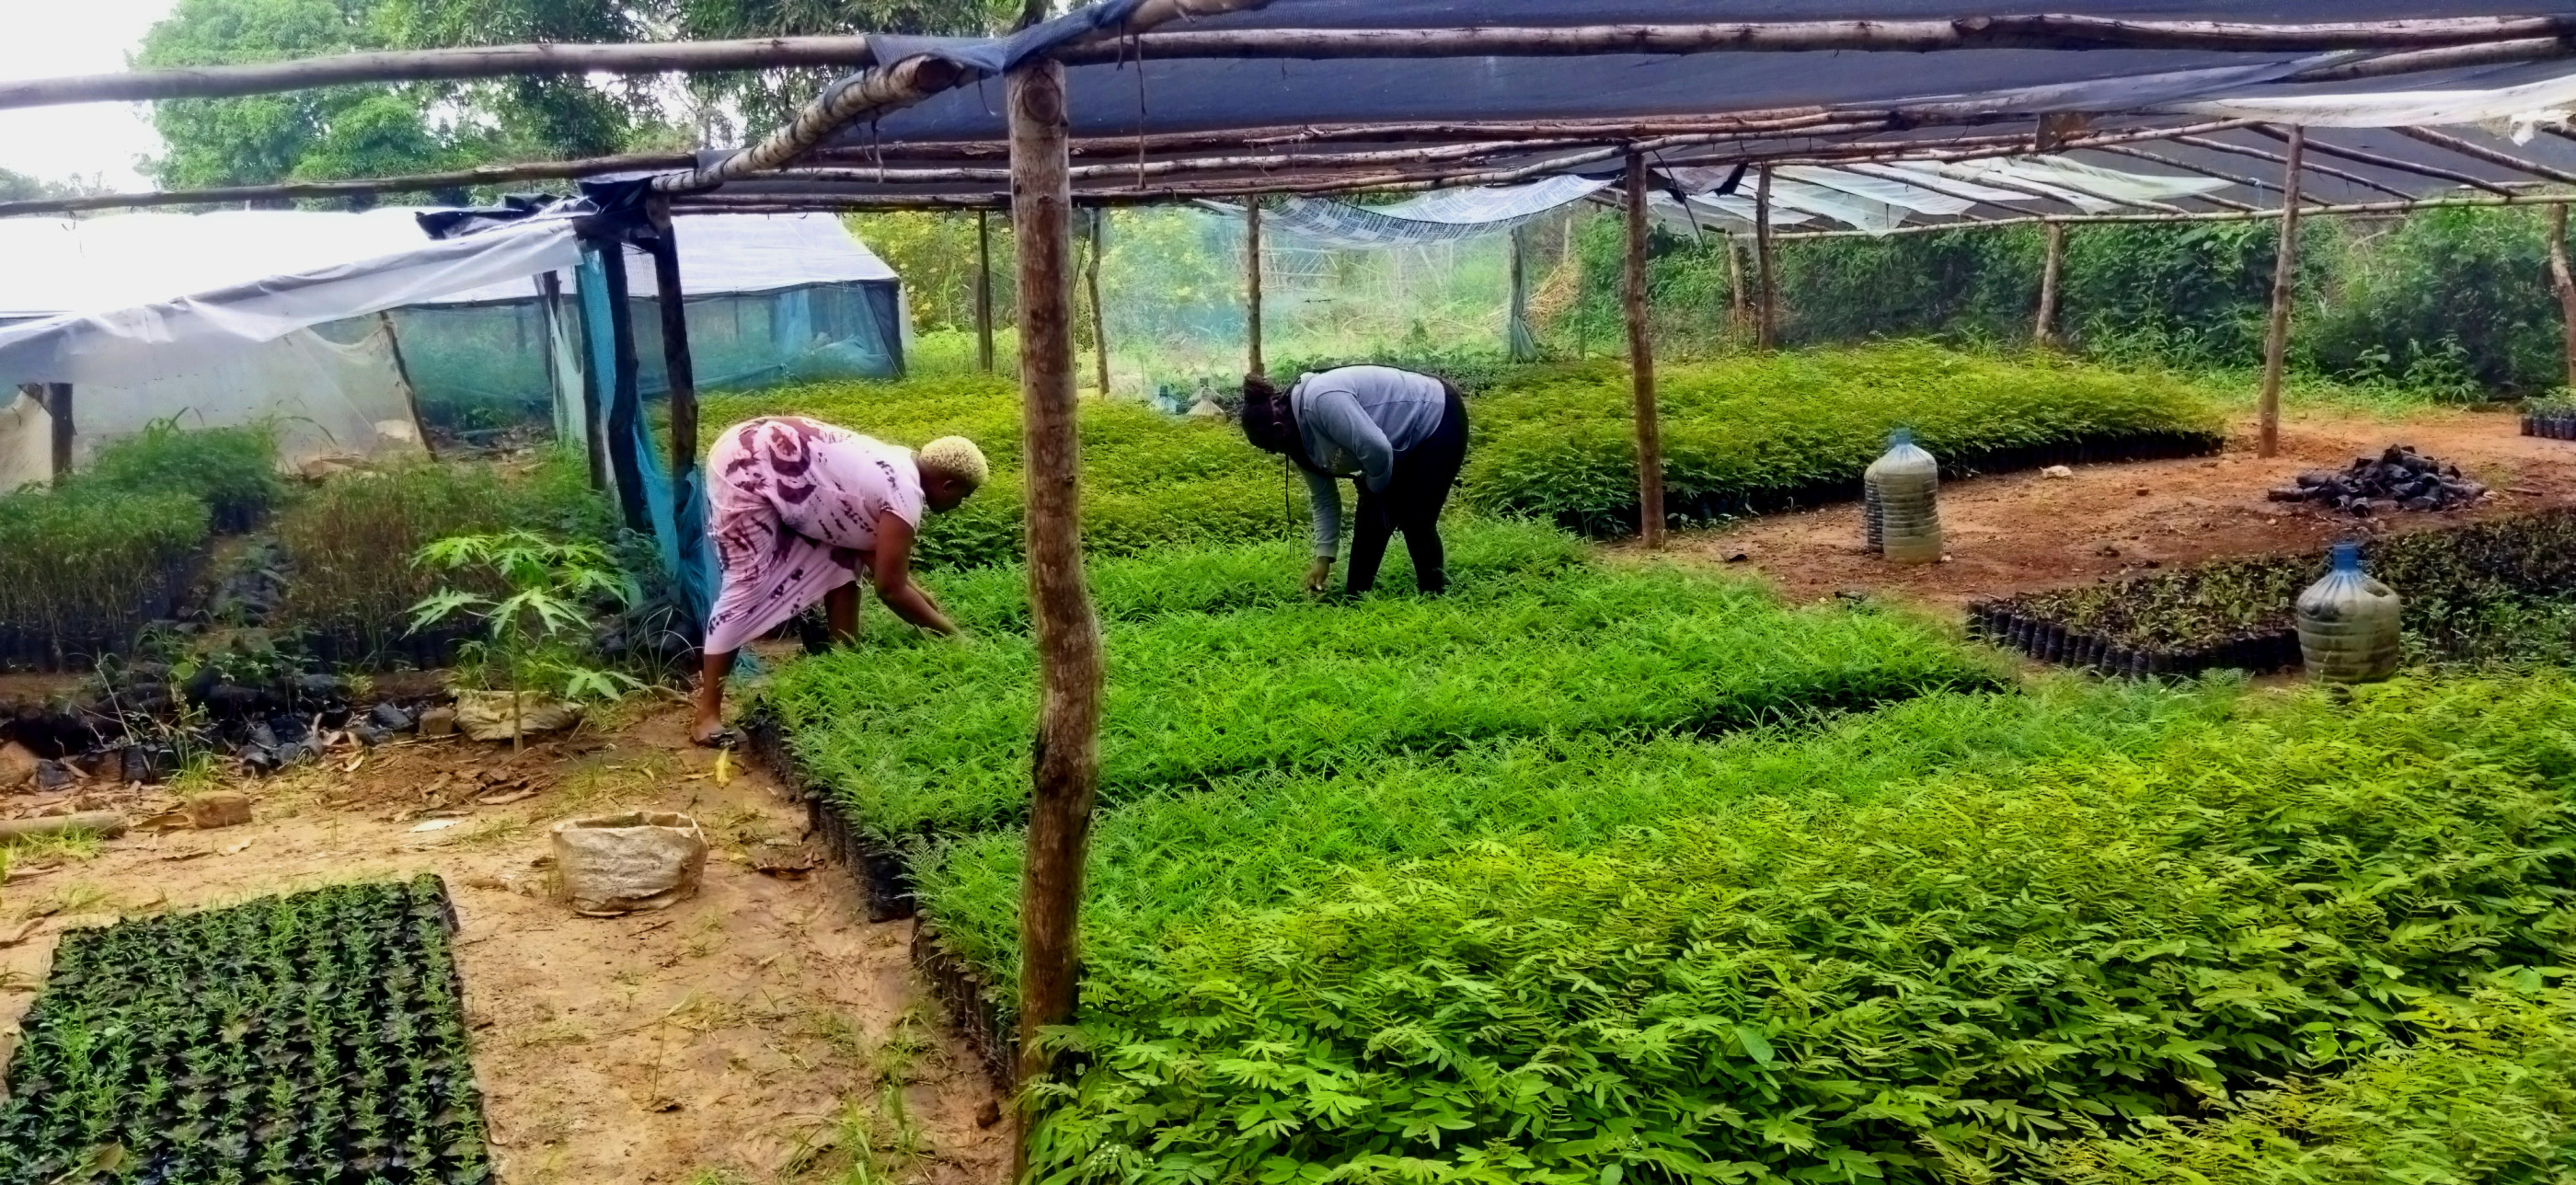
{"points": [[82, 569], [1762, 431], [232, 470], [1947, 981], [921, 736], [310, 1038]]}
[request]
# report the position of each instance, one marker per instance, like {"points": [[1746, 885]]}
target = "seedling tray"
{"points": [[312, 1039]]}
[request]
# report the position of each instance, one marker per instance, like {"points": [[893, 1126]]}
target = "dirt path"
{"points": [[761, 1032], [2024, 531]]}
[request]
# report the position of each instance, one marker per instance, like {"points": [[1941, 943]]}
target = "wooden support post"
{"points": [[1519, 344], [1766, 323], [58, 409], [1641, 365], [622, 400], [1099, 315], [402, 374], [676, 363], [1065, 763], [1253, 362], [2285, 268], [551, 285], [984, 291], [2563, 278], [1739, 305], [2043, 333]]}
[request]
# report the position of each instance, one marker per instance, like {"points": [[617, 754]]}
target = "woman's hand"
{"points": [[1319, 574]]}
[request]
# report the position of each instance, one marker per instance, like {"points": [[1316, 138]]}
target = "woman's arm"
{"points": [[892, 566]]}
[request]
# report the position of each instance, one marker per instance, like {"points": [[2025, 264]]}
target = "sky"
{"points": [[42, 38]]}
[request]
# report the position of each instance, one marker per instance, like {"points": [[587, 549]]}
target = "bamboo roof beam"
{"points": [[360, 187], [2476, 151], [2207, 144], [2393, 164], [2362, 209], [2256, 184], [2492, 53]]}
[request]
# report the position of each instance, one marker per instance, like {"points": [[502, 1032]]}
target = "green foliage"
{"points": [[2487, 1093], [924, 737], [341, 543], [2483, 590], [936, 255], [1149, 480], [1944, 982], [537, 631], [2450, 301], [1757, 431], [83, 568], [312, 1038], [1255, 840], [232, 470]]}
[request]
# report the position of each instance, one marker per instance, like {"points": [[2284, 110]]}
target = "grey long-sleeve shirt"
{"points": [[1354, 422]]}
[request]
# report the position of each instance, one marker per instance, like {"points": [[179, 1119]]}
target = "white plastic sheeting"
{"points": [[2090, 188], [2513, 110], [194, 330], [326, 400]]}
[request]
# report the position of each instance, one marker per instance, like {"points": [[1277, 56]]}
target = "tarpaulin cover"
{"points": [[1445, 216]]}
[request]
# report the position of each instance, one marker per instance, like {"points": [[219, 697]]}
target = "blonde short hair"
{"points": [[958, 458]]}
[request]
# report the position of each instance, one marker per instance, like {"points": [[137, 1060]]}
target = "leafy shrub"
{"points": [[232, 470], [923, 736], [2486, 1094], [347, 544], [1149, 480], [310, 1038], [1258, 839], [1756, 432], [1939, 984], [83, 568], [2463, 588]]}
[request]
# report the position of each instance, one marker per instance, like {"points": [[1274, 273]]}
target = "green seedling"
{"points": [[537, 637]]}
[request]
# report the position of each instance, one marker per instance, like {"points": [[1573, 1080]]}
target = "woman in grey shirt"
{"points": [[1399, 436]]}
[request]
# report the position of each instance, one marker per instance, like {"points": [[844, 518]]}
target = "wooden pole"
{"points": [[58, 410], [2563, 278], [622, 410], [1766, 324], [1739, 305], [984, 291], [677, 366], [550, 284], [1253, 361], [1518, 343], [1641, 365], [1099, 315], [1065, 763], [411, 390], [2043, 332], [2285, 266]]}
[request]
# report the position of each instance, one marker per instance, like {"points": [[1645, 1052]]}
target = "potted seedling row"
{"points": [[313, 1038]]}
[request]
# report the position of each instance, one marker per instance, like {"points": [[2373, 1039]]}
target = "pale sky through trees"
{"points": [[43, 38]]}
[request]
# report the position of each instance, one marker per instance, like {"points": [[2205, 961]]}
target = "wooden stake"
{"points": [[1065, 763], [1641, 365], [984, 291], [677, 366], [2563, 277], [622, 399], [2043, 333], [402, 374], [1518, 343], [1099, 315], [2285, 264], [1766, 328], [58, 409], [1738, 305], [1254, 364]]}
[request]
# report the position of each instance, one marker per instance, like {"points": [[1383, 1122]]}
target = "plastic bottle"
{"points": [[1899, 494], [2348, 623]]}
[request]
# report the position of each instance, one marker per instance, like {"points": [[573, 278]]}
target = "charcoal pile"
{"points": [[2399, 479]]}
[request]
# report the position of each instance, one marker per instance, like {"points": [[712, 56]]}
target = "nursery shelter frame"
{"points": [[1145, 101]]}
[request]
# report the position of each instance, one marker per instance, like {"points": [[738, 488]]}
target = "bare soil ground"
{"points": [[2024, 531], [763, 1031]]}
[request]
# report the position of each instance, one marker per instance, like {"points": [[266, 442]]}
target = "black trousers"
{"points": [[1411, 503]]}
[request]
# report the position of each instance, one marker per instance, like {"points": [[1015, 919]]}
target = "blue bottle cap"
{"points": [[2346, 557], [1900, 438]]}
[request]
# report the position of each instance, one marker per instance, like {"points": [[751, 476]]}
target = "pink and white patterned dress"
{"points": [[793, 505]]}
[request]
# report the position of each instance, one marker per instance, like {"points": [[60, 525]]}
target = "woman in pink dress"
{"points": [[797, 509]]}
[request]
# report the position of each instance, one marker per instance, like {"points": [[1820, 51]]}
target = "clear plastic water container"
{"points": [[1899, 496], [2348, 623]]}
